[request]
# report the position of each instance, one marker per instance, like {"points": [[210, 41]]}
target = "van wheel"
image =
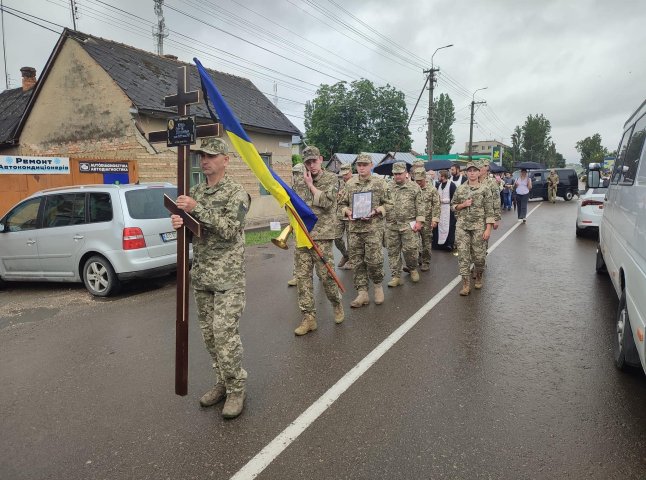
{"points": [[568, 196], [99, 277], [625, 350], [600, 265]]}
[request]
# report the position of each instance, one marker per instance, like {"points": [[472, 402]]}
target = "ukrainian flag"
{"points": [[300, 215]]}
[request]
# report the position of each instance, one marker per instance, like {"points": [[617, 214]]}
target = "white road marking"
{"points": [[258, 463]]}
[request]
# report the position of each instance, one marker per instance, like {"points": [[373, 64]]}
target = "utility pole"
{"points": [[431, 80], [473, 104], [74, 11], [160, 31], [429, 132]]}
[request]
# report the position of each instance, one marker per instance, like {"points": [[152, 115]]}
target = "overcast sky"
{"points": [[578, 62]]}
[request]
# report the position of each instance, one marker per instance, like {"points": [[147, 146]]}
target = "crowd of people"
{"points": [[360, 215]]}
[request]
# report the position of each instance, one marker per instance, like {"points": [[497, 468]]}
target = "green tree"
{"points": [[591, 150], [356, 117], [536, 139], [516, 142], [443, 119]]}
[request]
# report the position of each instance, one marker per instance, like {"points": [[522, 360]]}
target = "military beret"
{"points": [[311, 153], [213, 146], [399, 167], [364, 158]]}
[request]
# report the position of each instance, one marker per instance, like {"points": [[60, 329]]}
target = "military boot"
{"points": [[466, 286], [478, 283], [425, 267], [414, 276], [308, 324], [379, 294], [291, 282], [395, 282], [343, 261], [234, 404], [361, 300], [214, 396], [339, 314]]}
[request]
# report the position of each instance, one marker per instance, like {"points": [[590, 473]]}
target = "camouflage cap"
{"points": [[345, 168], [311, 153], [484, 162], [213, 146], [419, 174], [418, 163], [364, 158], [471, 165], [298, 168], [399, 167]]}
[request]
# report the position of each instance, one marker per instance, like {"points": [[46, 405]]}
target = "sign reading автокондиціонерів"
{"points": [[34, 165]]}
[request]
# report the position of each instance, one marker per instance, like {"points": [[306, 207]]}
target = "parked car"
{"points": [[101, 235], [568, 183], [590, 205], [622, 241]]}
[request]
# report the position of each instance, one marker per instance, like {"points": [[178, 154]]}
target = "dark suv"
{"points": [[568, 183]]}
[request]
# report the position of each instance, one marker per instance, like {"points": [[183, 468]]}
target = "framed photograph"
{"points": [[361, 205]]}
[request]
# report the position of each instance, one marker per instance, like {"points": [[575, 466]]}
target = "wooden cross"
{"points": [[182, 100]]}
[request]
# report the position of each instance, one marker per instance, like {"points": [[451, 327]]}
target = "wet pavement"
{"points": [[515, 381]]}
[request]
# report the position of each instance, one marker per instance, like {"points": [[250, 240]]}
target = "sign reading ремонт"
{"points": [[35, 165]]}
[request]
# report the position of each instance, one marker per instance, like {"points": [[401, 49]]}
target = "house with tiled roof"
{"points": [[98, 99]]}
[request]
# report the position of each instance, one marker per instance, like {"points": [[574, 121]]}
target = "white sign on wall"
{"points": [[35, 165]]}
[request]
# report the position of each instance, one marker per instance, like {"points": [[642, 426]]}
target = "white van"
{"points": [[622, 241]]}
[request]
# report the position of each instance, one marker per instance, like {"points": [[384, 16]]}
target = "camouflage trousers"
{"points": [[219, 314], [551, 193], [398, 242], [307, 260], [338, 241], [471, 249], [367, 257], [426, 236]]}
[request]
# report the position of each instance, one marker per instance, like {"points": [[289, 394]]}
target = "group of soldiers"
{"points": [[399, 215]]}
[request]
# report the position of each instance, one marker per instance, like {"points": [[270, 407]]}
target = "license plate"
{"points": [[169, 236]]}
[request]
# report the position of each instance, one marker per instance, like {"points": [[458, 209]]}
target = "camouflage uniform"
{"points": [[341, 225], [218, 275], [324, 205], [431, 199], [471, 224], [407, 206], [365, 239], [552, 186]]}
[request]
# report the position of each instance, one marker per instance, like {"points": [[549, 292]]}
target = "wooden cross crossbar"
{"points": [[182, 99]]}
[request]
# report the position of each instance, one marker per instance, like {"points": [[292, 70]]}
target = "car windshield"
{"points": [[148, 203]]}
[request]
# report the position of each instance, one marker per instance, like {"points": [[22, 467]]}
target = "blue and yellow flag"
{"points": [[286, 197]]}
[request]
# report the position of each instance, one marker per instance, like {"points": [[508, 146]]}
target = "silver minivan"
{"points": [[622, 241], [101, 235]]}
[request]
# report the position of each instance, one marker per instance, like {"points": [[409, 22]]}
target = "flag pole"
{"points": [[317, 249]]}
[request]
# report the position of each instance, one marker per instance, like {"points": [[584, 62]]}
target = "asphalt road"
{"points": [[515, 381]]}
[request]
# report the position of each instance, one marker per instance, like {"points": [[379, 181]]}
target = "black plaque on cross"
{"points": [[182, 99]]}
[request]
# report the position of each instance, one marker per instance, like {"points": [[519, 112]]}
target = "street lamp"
{"points": [[473, 102], [431, 80]]}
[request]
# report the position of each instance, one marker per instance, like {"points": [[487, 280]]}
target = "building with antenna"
{"points": [[97, 99]]}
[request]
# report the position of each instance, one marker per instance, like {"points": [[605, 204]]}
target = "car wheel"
{"points": [[600, 265], [568, 196], [99, 277], [579, 231], [625, 350]]}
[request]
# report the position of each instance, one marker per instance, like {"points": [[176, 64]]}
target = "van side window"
{"points": [[100, 206], [621, 155], [633, 152], [64, 209], [23, 217]]}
